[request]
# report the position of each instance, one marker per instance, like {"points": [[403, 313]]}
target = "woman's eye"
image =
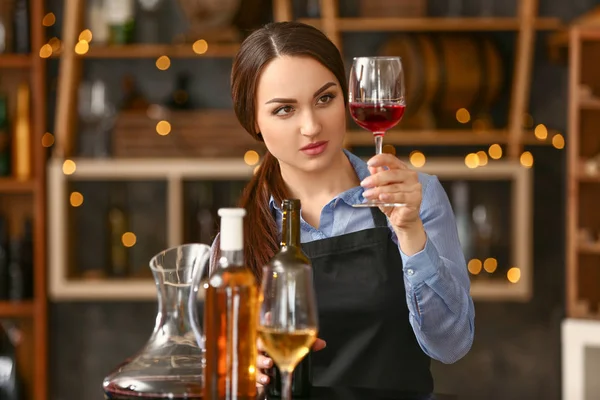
{"points": [[283, 110], [326, 98]]}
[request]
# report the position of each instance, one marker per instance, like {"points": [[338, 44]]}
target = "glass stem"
{"points": [[286, 385], [378, 142]]}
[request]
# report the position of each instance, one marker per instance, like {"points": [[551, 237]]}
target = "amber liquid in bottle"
{"points": [[230, 318], [290, 252]]}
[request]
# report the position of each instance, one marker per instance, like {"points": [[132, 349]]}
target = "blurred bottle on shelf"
{"points": [[20, 266], [6, 26], [133, 97], [21, 142], [204, 229], [179, 99], [120, 17], [97, 23], [149, 29], [96, 119], [4, 277], [118, 225], [5, 149], [22, 43]]}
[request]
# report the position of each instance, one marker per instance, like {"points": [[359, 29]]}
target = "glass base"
{"points": [[376, 203]]}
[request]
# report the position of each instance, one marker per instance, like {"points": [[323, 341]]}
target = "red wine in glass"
{"points": [[377, 118], [376, 101]]}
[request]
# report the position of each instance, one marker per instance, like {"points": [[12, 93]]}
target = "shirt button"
{"points": [[410, 272]]}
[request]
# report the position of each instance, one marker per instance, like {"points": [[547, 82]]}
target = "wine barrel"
{"points": [[445, 72], [421, 69]]}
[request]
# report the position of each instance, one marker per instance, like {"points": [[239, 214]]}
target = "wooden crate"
{"points": [[197, 133]]}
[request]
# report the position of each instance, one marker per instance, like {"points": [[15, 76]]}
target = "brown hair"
{"points": [[261, 236]]}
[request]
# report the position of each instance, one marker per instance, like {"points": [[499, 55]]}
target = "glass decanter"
{"points": [[170, 365]]}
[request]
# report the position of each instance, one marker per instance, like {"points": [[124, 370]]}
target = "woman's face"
{"points": [[300, 113]]}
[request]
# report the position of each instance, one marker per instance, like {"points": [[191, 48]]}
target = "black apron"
{"points": [[363, 315]]}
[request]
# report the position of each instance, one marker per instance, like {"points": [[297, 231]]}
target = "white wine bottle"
{"points": [[230, 317]]}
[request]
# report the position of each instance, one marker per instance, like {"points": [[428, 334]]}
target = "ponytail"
{"points": [[261, 235]]}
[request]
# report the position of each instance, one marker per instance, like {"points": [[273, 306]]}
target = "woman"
{"points": [[392, 287]]}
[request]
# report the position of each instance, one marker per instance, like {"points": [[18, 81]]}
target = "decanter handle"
{"points": [[201, 263]]}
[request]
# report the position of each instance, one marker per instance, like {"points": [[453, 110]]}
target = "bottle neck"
{"points": [[231, 258], [290, 228]]}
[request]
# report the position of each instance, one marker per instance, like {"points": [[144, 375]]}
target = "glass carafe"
{"points": [[170, 365]]}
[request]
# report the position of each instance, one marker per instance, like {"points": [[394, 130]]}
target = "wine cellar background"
{"points": [[517, 344]]}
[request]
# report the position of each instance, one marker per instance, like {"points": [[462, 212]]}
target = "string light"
{"points": [[47, 139], [69, 167], [417, 159], [463, 116], [163, 128], [490, 265], [541, 132], [558, 141], [513, 275], [527, 159], [200, 46], [163, 63], [251, 157], [128, 239], [76, 199], [495, 151], [86, 35], [474, 266], [472, 160], [46, 51], [482, 158], [49, 19], [82, 47]]}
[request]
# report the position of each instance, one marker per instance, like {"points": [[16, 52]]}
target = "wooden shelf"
{"points": [[15, 61], [107, 290], [16, 309], [434, 24], [157, 50], [442, 138], [9, 185]]}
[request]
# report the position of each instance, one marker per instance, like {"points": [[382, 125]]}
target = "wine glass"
{"points": [[376, 99], [288, 321]]}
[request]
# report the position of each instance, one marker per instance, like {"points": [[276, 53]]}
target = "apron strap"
{"points": [[379, 217]]}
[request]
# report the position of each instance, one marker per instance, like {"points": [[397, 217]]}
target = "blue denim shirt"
{"points": [[441, 311]]}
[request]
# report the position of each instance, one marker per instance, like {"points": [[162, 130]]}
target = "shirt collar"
{"points": [[350, 196]]}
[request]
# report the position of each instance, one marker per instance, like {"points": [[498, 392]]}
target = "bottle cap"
{"points": [[232, 228], [290, 204]]}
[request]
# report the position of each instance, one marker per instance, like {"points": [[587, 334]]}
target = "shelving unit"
{"points": [[175, 171], [513, 138], [583, 178], [28, 198], [525, 25]]}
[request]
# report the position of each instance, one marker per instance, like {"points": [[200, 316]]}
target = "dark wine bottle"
{"points": [[21, 27], [118, 225], [179, 99], [20, 267], [290, 252], [4, 277], [5, 141]]}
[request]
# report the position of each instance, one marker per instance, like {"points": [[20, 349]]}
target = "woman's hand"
{"points": [[396, 184], [263, 362]]}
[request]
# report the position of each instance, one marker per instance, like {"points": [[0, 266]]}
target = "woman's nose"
{"points": [[310, 124]]}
